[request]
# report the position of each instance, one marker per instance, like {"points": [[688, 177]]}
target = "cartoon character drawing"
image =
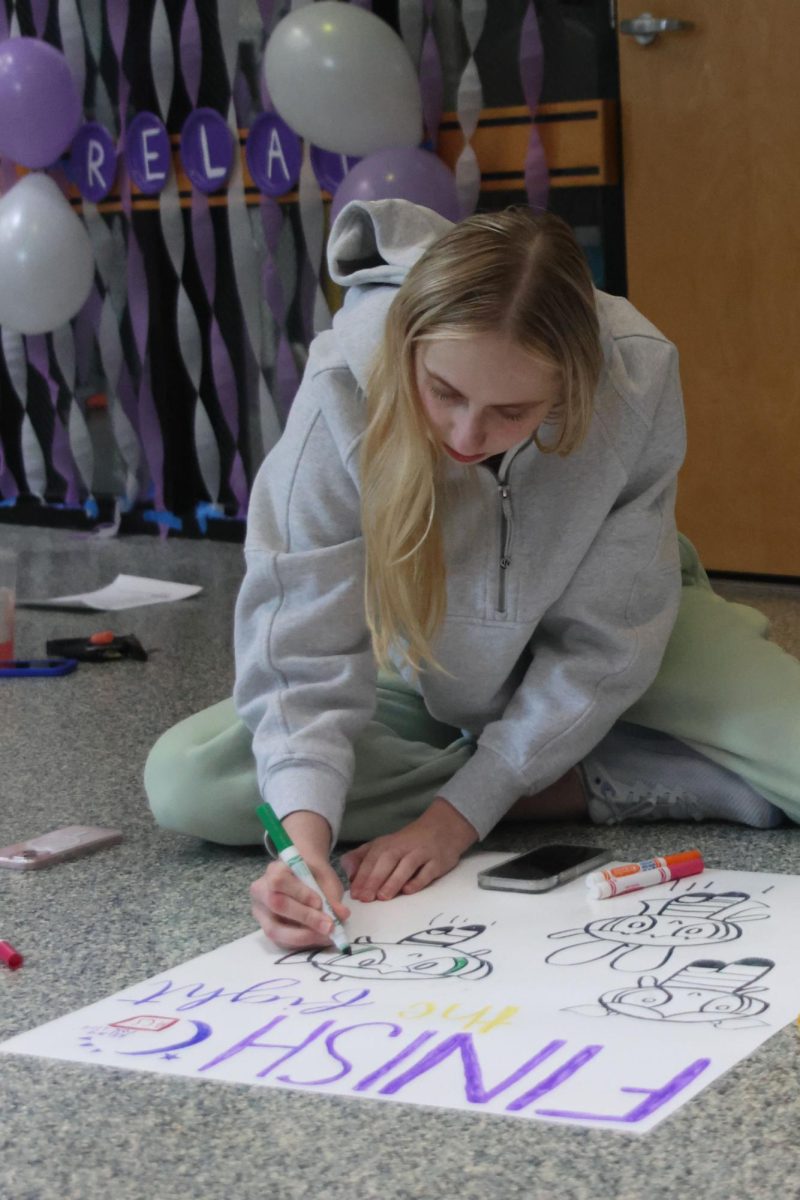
{"points": [[708, 990], [426, 954], [645, 941]]}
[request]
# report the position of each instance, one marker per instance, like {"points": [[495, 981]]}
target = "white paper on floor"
{"points": [[604, 1013], [126, 591]]}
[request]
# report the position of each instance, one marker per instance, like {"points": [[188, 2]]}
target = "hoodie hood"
{"points": [[378, 241], [372, 246]]}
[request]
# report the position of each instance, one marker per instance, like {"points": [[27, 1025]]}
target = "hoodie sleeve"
{"points": [[305, 672], [599, 646]]}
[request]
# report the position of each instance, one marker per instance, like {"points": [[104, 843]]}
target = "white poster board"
{"points": [[553, 1007]]}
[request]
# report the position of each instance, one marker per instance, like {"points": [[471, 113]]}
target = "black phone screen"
{"points": [[544, 862]]}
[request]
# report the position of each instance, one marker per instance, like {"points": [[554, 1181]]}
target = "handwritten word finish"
{"points": [[355, 1058]]}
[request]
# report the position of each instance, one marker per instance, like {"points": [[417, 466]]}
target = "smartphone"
{"points": [[543, 868], [70, 842]]}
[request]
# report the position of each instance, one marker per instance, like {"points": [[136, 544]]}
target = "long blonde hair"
{"points": [[512, 272]]}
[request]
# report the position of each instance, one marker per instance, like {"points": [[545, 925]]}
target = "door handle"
{"points": [[646, 28]]}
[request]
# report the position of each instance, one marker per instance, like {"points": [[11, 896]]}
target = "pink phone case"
{"points": [[72, 841]]}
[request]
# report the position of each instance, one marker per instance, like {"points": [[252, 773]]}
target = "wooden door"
{"points": [[711, 167]]}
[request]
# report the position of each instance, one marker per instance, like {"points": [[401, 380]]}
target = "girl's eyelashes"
{"points": [[449, 398]]}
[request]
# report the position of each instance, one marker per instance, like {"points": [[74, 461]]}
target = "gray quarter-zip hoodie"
{"points": [[563, 576]]}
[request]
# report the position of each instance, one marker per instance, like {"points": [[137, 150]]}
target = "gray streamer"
{"points": [[312, 221], [72, 41], [110, 261], [162, 60], [248, 256], [468, 106], [412, 25], [33, 457], [80, 441]]}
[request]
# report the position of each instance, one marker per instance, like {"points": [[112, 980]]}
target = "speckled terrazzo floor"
{"points": [[72, 752]]}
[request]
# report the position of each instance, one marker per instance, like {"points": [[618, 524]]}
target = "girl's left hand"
{"points": [[407, 861]]}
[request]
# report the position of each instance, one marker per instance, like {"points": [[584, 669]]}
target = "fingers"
{"points": [[383, 873], [425, 875], [289, 912], [351, 861]]}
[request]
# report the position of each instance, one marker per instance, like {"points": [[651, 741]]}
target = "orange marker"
{"points": [[667, 861]]}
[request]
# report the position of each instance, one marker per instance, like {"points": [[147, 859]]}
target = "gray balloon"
{"points": [[46, 261], [342, 78]]}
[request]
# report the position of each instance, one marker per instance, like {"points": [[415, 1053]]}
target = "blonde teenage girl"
{"points": [[465, 596]]}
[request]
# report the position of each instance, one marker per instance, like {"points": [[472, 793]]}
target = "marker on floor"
{"points": [[11, 957]]}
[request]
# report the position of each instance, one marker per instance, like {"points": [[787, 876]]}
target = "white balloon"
{"points": [[342, 78], [46, 261]]}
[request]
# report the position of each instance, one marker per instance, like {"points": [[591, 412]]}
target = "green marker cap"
{"points": [[278, 835]]}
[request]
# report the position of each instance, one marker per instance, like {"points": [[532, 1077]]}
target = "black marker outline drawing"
{"points": [[645, 940], [373, 960], [706, 990]]}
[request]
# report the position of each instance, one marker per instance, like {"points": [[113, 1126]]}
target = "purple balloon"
{"points": [[40, 109], [402, 173]]}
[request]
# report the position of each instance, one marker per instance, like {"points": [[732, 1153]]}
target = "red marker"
{"points": [[11, 957]]}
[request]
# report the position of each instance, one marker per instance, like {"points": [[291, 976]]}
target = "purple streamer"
{"points": [[117, 18], [8, 484], [430, 79], [8, 175], [86, 322], [242, 100], [191, 51], [127, 395], [287, 378], [60, 452], [531, 65], [9, 489], [225, 386], [150, 432], [203, 239], [266, 8], [39, 10], [149, 425], [272, 223], [307, 291], [224, 377], [138, 308]]}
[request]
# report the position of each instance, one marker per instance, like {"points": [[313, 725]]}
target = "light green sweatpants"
{"points": [[722, 688]]}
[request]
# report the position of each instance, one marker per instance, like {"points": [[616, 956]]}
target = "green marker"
{"points": [[288, 853]]}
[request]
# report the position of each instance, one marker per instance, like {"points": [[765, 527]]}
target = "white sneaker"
{"points": [[611, 801]]}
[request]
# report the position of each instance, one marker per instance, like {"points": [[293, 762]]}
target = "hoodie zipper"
{"points": [[506, 525], [505, 543]]}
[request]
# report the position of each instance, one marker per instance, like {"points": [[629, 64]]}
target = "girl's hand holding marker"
{"points": [[297, 901]]}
